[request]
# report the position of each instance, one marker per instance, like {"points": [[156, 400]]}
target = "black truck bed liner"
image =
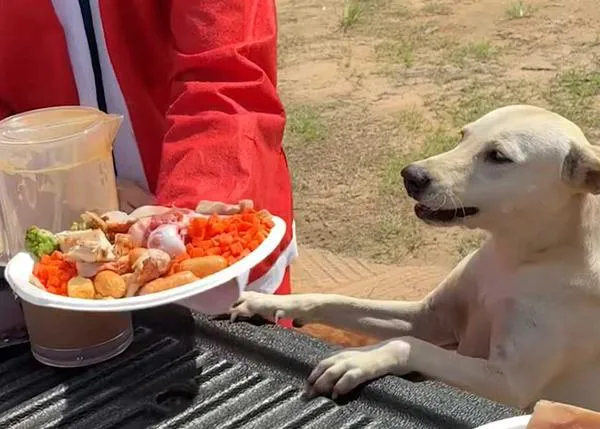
{"points": [[186, 371]]}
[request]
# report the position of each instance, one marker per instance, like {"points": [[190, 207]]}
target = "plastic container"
{"points": [[210, 295], [55, 164]]}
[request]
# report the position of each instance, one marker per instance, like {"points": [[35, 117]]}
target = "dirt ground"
{"points": [[371, 84]]}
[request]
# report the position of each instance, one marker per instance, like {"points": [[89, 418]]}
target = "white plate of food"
{"points": [[151, 257], [519, 422]]}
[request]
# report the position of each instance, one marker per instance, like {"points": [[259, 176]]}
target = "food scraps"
{"points": [[117, 255]]}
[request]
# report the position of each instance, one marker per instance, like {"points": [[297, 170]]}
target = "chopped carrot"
{"points": [[214, 251], [267, 223], [232, 237], [54, 273], [236, 248], [226, 238]]}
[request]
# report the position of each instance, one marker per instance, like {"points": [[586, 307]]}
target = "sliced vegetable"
{"points": [[40, 242], [232, 237], [54, 272]]}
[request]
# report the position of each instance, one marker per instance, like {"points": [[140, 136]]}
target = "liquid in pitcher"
{"points": [[56, 163]]}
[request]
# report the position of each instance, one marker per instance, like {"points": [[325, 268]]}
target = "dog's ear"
{"points": [[581, 169]]}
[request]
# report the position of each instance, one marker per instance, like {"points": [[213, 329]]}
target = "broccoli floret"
{"points": [[40, 242]]}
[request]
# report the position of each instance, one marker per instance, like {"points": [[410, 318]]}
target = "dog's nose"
{"points": [[416, 180]]}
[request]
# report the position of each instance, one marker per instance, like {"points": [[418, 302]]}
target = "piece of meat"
{"points": [[148, 266], [143, 228], [93, 221], [148, 211], [168, 239], [139, 232], [179, 217], [117, 222], [90, 245], [123, 244], [152, 265], [90, 269], [211, 207], [554, 415]]}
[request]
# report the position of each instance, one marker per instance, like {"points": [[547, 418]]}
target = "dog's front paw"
{"points": [[272, 307], [345, 370]]}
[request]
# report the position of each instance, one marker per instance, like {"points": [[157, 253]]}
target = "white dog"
{"points": [[518, 319]]}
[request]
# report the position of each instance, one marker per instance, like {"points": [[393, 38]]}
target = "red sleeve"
{"points": [[4, 112], [225, 120]]}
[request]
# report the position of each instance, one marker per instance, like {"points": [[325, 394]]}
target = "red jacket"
{"points": [[195, 81]]}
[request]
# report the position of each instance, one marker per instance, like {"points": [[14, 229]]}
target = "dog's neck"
{"points": [[575, 224]]}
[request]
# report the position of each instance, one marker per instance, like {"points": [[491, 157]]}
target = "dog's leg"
{"points": [[381, 319], [435, 318], [342, 372], [521, 364]]}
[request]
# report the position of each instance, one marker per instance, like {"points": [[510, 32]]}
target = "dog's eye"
{"points": [[494, 156]]}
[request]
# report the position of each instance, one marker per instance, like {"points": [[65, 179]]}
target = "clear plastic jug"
{"points": [[55, 164]]}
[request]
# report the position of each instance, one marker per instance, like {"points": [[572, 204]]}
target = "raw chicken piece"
{"points": [[152, 264], [123, 244], [93, 221], [90, 269], [179, 217], [554, 415], [139, 232], [90, 245], [210, 207], [149, 211], [167, 238]]}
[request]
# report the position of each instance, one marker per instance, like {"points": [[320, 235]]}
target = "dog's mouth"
{"points": [[443, 216]]}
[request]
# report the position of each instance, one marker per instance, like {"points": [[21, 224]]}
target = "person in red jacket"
{"points": [[195, 81]]}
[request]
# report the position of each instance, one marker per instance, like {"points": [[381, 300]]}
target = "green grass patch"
{"points": [[393, 227], [306, 124], [438, 142], [412, 120], [351, 13], [518, 10], [572, 95], [478, 98], [400, 51], [436, 8], [477, 51]]}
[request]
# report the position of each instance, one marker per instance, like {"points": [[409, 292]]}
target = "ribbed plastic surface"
{"points": [[189, 372]]}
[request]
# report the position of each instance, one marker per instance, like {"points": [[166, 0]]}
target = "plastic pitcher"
{"points": [[55, 164]]}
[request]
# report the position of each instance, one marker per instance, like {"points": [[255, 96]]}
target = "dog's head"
{"points": [[513, 162]]}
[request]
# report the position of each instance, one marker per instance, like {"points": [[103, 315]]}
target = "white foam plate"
{"points": [[512, 423], [20, 268]]}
